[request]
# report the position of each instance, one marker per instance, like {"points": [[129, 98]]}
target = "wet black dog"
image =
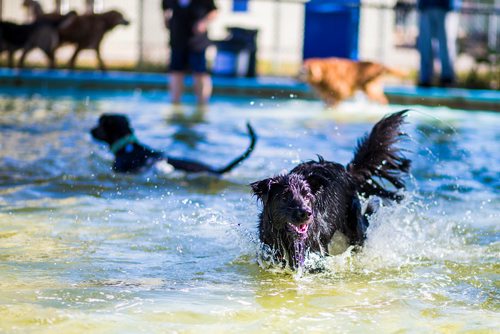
{"points": [[302, 210], [131, 156]]}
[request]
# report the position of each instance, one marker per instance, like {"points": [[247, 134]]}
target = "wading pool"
{"points": [[83, 249]]}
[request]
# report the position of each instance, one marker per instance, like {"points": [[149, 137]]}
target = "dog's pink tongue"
{"points": [[302, 228]]}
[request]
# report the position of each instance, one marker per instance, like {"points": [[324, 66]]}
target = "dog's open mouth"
{"points": [[300, 229]]}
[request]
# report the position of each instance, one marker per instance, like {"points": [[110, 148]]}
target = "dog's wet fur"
{"points": [[337, 79], [303, 209], [135, 157]]}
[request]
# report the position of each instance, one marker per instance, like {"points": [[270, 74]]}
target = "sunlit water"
{"points": [[85, 250]]}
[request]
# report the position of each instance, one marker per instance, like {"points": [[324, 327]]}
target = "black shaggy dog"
{"points": [[304, 208], [131, 156]]}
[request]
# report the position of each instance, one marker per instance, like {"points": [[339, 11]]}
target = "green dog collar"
{"points": [[122, 142]]}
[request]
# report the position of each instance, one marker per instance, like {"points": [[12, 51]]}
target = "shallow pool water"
{"points": [[83, 249]]}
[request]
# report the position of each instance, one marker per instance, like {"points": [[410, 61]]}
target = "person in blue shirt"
{"points": [[438, 23], [187, 21]]}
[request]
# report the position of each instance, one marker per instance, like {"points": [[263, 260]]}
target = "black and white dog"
{"points": [[132, 157], [303, 209]]}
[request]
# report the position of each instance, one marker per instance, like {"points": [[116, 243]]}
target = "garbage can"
{"points": [[331, 29], [236, 54]]}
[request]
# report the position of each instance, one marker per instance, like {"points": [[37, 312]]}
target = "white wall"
{"points": [[280, 28], [279, 40], [376, 37]]}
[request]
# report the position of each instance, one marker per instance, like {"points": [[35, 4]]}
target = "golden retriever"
{"points": [[336, 79]]}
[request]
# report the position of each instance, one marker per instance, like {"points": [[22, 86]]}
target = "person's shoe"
{"points": [[447, 82], [424, 84]]}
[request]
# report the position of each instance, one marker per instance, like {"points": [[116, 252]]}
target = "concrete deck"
{"points": [[277, 87]]}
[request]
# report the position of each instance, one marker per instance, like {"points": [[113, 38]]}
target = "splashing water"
{"points": [[87, 250]]}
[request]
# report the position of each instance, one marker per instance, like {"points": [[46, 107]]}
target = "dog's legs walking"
{"points": [[99, 58], [10, 60], [375, 91], [23, 56], [72, 61], [52, 59]]}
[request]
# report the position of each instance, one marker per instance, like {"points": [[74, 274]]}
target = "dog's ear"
{"points": [[261, 188], [316, 182]]}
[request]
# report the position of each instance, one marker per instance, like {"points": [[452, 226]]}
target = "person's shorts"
{"points": [[186, 60]]}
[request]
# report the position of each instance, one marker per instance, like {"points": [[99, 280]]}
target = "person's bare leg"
{"points": [[176, 86], [202, 87]]}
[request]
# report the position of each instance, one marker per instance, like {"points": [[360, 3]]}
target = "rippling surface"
{"points": [[85, 250]]}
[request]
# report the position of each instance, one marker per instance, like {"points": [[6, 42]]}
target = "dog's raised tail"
{"points": [[377, 157], [245, 155]]}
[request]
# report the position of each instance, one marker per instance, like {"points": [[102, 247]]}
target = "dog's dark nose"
{"points": [[303, 214]]}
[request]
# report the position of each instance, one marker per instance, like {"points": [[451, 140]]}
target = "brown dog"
{"points": [[87, 32], [336, 79]]}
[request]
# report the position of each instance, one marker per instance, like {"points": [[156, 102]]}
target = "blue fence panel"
{"points": [[331, 29]]}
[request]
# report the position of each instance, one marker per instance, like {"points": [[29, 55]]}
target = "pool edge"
{"points": [[263, 87]]}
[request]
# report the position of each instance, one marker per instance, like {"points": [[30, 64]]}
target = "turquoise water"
{"points": [[85, 250]]}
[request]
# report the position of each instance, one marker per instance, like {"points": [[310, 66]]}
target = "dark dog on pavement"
{"points": [[303, 209], [131, 156], [87, 31], [42, 34]]}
